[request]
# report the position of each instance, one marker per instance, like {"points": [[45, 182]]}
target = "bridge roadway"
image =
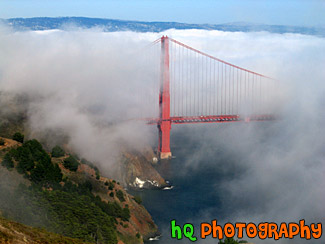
{"points": [[212, 119]]}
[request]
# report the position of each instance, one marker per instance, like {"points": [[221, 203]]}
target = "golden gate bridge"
{"points": [[195, 87]]}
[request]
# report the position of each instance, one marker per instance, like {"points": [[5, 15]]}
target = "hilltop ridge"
{"points": [[112, 25]]}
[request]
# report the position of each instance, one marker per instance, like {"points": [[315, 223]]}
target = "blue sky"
{"points": [[287, 12]]}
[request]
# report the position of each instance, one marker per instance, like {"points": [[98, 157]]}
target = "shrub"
{"points": [[97, 175], [2, 142], [114, 209], [120, 195], [125, 214], [71, 163], [57, 152], [7, 161], [138, 235], [111, 194], [13, 153], [137, 199], [18, 137], [110, 185], [87, 186]]}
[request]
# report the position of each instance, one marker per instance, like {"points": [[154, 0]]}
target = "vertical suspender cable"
{"points": [[221, 90]]}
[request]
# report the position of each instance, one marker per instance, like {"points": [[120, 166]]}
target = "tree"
{"points": [[35, 162], [120, 195], [2, 142], [97, 175], [57, 152], [25, 159], [7, 161], [110, 185], [71, 163], [18, 137]]}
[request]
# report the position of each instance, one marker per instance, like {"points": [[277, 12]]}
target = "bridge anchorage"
{"points": [[198, 88]]}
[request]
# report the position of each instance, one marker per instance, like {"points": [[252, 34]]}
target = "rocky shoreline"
{"points": [[139, 171]]}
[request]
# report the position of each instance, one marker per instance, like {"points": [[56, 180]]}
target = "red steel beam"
{"points": [[212, 119]]}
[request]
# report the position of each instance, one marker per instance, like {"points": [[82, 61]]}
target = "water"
{"points": [[240, 172], [196, 176]]}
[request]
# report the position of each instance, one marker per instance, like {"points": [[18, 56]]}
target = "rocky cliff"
{"points": [[138, 170]]}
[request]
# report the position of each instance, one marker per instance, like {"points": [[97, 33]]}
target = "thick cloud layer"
{"points": [[281, 165], [83, 83]]}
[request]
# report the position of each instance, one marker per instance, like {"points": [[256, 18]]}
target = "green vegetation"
{"points": [[18, 137], [137, 199], [2, 142], [70, 213], [138, 235], [57, 152], [110, 185], [111, 194], [71, 163], [120, 195], [97, 175], [58, 204], [35, 163], [7, 162]]}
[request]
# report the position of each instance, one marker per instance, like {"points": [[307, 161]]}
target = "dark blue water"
{"points": [[243, 172], [196, 172]]}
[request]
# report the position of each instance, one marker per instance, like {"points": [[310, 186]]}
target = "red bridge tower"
{"points": [[164, 124]]}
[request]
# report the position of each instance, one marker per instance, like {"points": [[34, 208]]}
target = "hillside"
{"points": [[47, 23], [15, 233], [64, 194]]}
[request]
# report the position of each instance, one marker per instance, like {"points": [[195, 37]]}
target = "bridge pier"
{"points": [[164, 124], [164, 140]]}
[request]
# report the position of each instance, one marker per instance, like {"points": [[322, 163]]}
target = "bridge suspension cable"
{"points": [[194, 87], [202, 85]]}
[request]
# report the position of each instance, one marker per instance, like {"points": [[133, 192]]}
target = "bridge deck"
{"points": [[213, 119]]}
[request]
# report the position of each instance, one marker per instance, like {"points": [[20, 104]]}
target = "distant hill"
{"points": [[110, 25]]}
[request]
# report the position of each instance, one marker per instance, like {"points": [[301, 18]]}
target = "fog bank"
{"points": [[83, 83]]}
